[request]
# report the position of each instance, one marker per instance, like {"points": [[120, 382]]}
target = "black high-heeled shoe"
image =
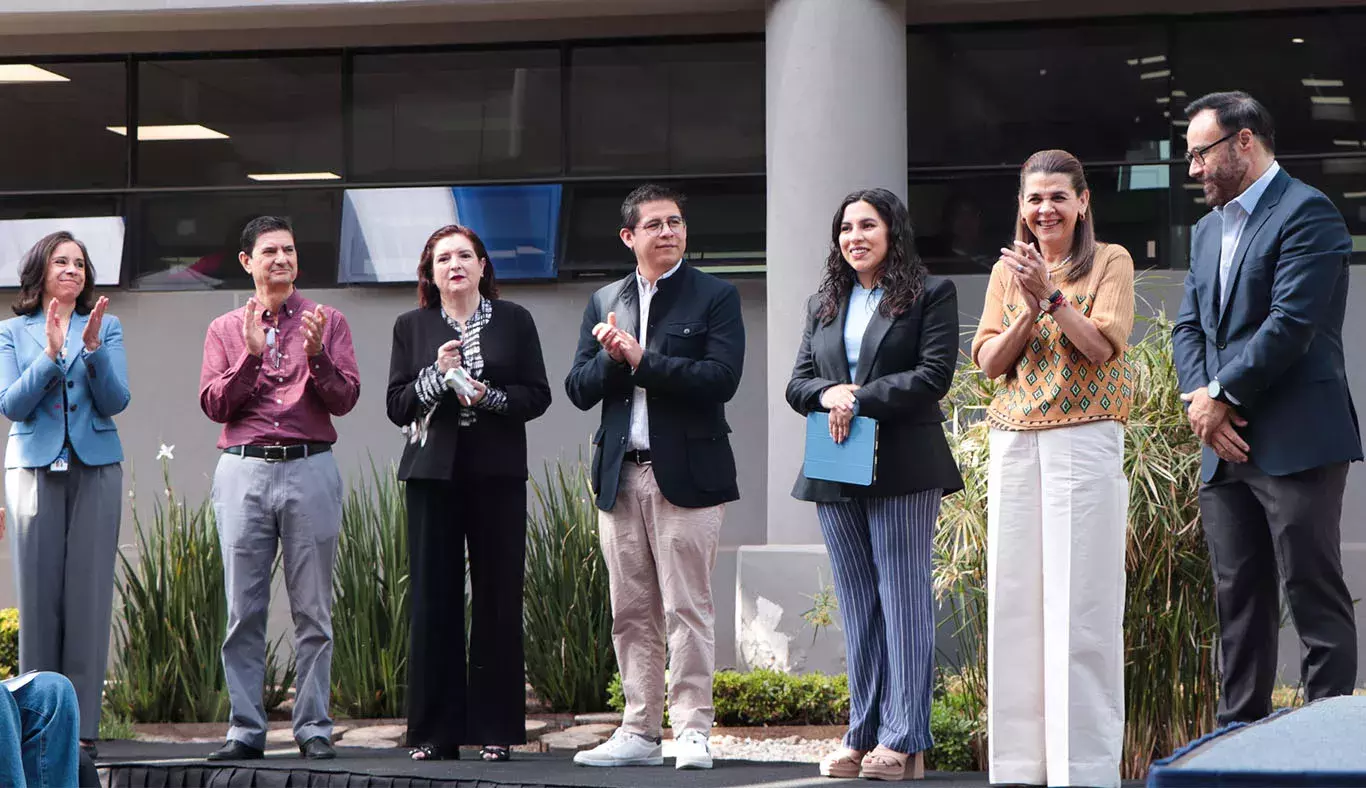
{"points": [[495, 752], [433, 752]]}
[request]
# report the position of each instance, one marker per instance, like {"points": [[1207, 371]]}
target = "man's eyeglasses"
{"points": [[656, 226], [1198, 154]]}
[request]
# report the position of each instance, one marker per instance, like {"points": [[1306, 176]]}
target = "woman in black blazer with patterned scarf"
{"points": [[465, 465]]}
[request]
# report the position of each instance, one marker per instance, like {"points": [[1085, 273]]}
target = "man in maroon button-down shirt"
{"points": [[275, 373]]}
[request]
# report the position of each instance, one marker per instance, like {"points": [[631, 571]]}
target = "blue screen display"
{"points": [[383, 230]]}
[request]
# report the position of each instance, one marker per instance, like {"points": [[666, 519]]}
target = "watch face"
{"points": [[1215, 389]]}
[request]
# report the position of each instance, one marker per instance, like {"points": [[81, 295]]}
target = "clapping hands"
{"points": [[314, 324], [619, 344], [91, 335], [1027, 265]]}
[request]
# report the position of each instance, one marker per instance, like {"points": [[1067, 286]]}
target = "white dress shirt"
{"points": [[639, 437], [1234, 217]]}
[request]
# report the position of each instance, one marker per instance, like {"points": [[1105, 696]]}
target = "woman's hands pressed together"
{"points": [[840, 401]]}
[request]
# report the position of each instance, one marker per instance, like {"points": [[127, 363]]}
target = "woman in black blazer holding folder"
{"points": [[466, 472], [881, 341]]}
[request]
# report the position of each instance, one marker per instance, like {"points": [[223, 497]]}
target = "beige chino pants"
{"points": [[659, 562]]}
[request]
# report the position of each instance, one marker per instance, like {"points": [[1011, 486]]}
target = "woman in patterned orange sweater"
{"points": [[1059, 309]]}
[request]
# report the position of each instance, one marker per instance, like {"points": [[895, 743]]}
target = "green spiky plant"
{"points": [[371, 606], [568, 613], [1170, 625]]}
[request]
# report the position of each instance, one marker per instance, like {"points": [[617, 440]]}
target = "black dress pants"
{"points": [[451, 701], [1259, 528]]}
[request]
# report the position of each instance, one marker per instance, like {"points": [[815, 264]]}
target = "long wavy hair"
{"points": [[428, 294], [33, 276], [1060, 162], [902, 274]]}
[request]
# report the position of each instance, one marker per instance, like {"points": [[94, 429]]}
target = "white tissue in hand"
{"points": [[458, 380]]}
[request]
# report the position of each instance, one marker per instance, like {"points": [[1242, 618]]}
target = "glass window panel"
{"points": [[1315, 90], [190, 241], [726, 226], [267, 117], [456, 115], [961, 221], [97, 222], [996, 95], [679, 108], [62, 111], [383, 231], [1342, 179]]}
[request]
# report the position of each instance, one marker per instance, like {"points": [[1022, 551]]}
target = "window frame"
{"points": [[129, 194]]}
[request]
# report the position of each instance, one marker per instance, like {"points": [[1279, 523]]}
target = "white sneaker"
{"points": [[623, 749], [692, 750]]}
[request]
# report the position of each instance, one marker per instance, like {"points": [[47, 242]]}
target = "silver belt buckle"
{"points": [[274, 453]]}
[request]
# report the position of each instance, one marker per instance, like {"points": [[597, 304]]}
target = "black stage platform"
{"points": [[134, 764]]}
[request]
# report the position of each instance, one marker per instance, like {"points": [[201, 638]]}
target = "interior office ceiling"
{"points": [[90, 26]]}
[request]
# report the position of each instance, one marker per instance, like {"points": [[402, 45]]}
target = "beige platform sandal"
{"points": [[844, 762], [886, 764]]}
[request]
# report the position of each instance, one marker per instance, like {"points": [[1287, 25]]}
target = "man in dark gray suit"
{"points": [[1259, 354]]}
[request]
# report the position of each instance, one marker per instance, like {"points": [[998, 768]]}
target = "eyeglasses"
{"points": [[1198, 154], [656, 226]]}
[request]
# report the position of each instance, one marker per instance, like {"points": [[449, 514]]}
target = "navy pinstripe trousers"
{"points": [[880, 551]]}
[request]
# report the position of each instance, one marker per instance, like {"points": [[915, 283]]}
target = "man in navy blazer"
{"points": [[1258, 347], [662, 351]]}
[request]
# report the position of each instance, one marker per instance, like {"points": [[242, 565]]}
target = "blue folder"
{"points": [[851, 462]]}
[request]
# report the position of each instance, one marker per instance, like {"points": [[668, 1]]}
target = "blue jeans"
{"points": [[38, 741]]}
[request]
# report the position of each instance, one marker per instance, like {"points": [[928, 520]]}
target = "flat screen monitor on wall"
{"points": [[383, 230], [102, 236]]}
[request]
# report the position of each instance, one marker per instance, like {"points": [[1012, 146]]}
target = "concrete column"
{"points": [[836, 122]]}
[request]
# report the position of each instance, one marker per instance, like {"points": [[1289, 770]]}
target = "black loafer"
{"points": [[317, 748], [235, 750]]}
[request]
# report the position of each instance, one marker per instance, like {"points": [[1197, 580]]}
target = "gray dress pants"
{"points": [[66, 533], [296, 505]]}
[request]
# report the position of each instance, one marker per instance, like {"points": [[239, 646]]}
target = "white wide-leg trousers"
{"points": [[1055, 587]]}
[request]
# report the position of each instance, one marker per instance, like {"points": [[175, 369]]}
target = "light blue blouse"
{"points": [[862, 304]]}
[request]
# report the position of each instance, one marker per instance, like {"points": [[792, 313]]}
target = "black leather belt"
{"points": [[638, 456], [279, 453]]}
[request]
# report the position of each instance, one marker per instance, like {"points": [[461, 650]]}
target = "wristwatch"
{"points": [[1050, 305], [1216, 391]]}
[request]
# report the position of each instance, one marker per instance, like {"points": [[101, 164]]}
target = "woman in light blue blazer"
{"points": [[63, 377]]}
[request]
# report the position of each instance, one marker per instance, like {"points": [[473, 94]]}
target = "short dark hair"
{"points": [[1235, 111], [428, 294], [260, 226], [647, 192], [33, 276]]}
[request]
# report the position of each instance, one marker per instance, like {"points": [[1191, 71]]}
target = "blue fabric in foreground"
{"points": [[1319, 744]]}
